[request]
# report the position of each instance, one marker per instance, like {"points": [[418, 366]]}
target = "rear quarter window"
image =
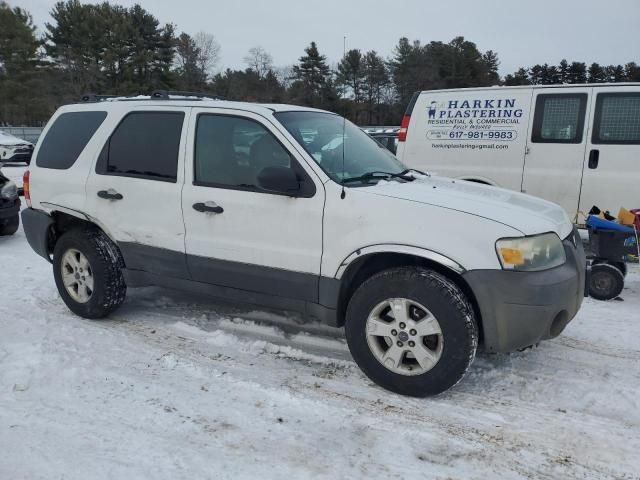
{"points": [[67, 138]]}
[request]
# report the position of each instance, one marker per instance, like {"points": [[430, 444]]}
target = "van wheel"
{"points": [[9, 226], [411, 331], [606, 282], [87, 268]]}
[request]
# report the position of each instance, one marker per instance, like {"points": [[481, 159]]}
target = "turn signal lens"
{"points": [[512, 256]]}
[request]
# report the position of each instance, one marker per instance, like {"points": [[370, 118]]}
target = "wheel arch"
{"points": [[366, 262], [64, 220]]}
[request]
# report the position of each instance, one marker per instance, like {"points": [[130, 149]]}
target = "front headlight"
{"points": [[531, 254], [9, 191]]}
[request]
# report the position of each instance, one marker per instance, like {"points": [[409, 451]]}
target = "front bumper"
{"points": [[9, 209], [519, 309]]}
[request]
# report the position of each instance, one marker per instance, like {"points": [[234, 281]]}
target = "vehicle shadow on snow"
{"points": [[157, 306]]}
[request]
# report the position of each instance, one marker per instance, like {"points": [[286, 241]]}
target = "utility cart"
{"points": [[611, 247]]}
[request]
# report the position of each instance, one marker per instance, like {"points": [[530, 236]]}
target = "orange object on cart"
{"points": [[636, 222]]}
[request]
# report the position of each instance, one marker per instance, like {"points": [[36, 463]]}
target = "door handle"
{"points": [[594, 157], [208, 207], [110, 194]]}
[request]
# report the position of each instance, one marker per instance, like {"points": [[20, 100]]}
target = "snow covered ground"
{"points": [[175, 386]]}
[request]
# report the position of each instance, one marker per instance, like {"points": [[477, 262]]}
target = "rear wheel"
{"points": [[606, 281], [412, 331], [87, 268], [9, 226]]}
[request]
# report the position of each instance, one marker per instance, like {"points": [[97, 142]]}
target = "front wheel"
{"points": [[87, 268], [412, 331]]}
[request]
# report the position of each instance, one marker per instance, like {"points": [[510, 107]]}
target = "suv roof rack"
{"points": [[155, 95], [165, 95], [92, 97]]}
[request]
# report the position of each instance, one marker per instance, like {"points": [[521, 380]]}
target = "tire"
{"points": [[9, 226], [606, 281], [104, 264], [619, 265], [422, 289]]}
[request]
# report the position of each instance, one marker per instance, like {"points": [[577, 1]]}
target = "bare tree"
{"points": [[259, 60], [284, 75], [208, 52]]}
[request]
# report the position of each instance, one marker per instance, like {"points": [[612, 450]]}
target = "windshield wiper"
{"points": [[408, 170], [379, 176]]}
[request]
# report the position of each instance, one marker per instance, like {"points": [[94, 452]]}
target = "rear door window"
{"points": [[617, 119], [559, 118], [144, 145], [67, 138]]}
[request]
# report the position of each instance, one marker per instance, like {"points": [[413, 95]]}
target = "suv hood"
{"points": [[6, 139], [527, 214]]}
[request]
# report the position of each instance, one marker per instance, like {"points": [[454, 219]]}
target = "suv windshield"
{"points": [[322, 136]]}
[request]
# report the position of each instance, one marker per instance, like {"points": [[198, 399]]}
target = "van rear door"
{"points": [[612, 162], [556, 145]]}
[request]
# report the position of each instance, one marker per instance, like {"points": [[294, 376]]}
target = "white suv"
{"points": [[298, 209]]}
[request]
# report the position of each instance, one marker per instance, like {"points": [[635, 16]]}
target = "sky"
{"points": [[522, 32]]}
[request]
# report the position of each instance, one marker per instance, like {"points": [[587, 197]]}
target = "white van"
{"points": [[575, 145]]}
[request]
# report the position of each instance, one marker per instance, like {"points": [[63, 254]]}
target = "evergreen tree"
{"points": [[563, 71], [577, 73], [615, 73], [596, 74], [313, 79], [351, 74], [376, 81], [189, 73], [490, 59], [632, 72], [22, 85], [519, 77]]}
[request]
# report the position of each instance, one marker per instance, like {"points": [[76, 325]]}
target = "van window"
{"points": [[144, 145], [559, 118], [67, 138], [231, 151], [617, 118]]}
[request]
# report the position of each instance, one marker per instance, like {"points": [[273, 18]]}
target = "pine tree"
{"points": [[313, 78], [632, 72], [577, 73], [376, 81], [490, 59], [519, 77], [190, 75], [20, 80], [596, 74], [351, 74], [563, 71]]}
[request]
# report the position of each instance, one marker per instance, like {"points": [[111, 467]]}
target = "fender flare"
{"points": [[402, 249]]}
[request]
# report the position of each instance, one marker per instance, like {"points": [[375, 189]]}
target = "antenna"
{"points": [[344, 120]]}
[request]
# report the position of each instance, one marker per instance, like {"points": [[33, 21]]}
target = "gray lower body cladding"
{"points": [[519, 309], [36, 226]]}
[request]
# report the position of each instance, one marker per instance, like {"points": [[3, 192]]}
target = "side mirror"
{"points": [[279, 179]]}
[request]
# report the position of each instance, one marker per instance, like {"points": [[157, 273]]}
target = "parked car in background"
{"points": [[386, 136], [14, 149], [9, 206], [298, 209], [575, 145]]}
